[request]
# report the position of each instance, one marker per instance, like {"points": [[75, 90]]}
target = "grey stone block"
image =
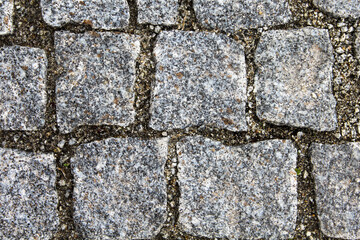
{"points": [[340, 8], [245, 192], [293, 82], [120, 188], [158, 11], [105, 14], [6, 15], [200, 80], [99, 73], [336, 170], [233, 15], [22, 88], [28, 198]]}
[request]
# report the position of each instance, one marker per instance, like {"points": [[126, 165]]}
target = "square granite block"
{"points": [[6, 15], [96, 87], [337, 187], [120, 188], [293, 82], [237, 192], [233, 15], [22, 88], [158, 11], [200, 80], [104, 14], [28, 198]]}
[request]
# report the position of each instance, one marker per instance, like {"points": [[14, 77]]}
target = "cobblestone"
{"points": [[22, 88], [120, 188], [293, 83], [105, 14], [28, 197], [99, 73], [340, 8], [337, 181], [158, 12], [233, 15], [200, 80], [246, 192], [357, 44], [6, 16]]}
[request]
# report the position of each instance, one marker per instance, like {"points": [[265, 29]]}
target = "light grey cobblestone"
{"points": [[233, 15], [293, 82], [22, 88], [337, 185], [340, 8], [28, 198], [120, 188], [158, 11], [105, 14], [246, 192], [6, 16], [200, 80], [99, 73]]}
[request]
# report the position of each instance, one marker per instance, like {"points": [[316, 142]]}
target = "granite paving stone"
{"points": [[120, 188], [357, 44], [28, 198], [6, 13], [293, 84], [157, 11], [232, 15], [246, 192], [99, 74], [336, 169], [200, 80], [340, 8], [22, 88], [104, 14]]}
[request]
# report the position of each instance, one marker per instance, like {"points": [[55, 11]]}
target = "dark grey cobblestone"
{"points": [[200, 80], [246, 192], [120, 189], [99, 74], [28, 197], [22, 88], [6, 16], [337, 181]]}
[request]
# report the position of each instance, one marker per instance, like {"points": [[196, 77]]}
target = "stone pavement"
{"points": [[180, 119]]}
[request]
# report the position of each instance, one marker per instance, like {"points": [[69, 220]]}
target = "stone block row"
{"points": [[247, 191], [229, 16], [200, 80]]}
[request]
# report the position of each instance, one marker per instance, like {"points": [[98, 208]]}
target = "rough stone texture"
{"points": [[233, 15], [200, 80], [22, 88], [158, 11], [293, 82], [105, 14], [120, 188], [97, 86], [6, 13], [357, 43], [28, 198], [246, 192], [337, 186], [340, 8]]}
